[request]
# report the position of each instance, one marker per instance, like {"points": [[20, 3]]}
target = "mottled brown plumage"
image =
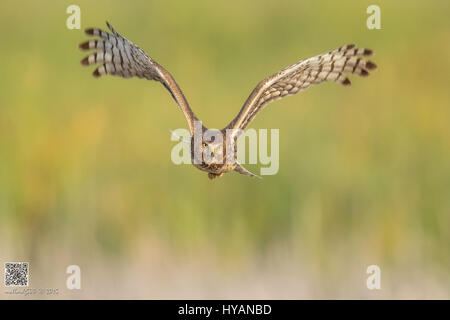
{"points": [[120, 57]]}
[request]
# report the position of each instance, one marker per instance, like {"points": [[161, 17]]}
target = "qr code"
{"points": [[16, 274]]}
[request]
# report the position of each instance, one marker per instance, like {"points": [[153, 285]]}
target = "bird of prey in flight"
{"points": [[118, 56]]}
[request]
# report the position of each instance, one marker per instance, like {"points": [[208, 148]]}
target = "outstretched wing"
{"points": [[331, 66], [118, 56]]}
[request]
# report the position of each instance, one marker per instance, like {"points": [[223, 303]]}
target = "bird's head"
{"points": [[212, 151], [208, 148]]}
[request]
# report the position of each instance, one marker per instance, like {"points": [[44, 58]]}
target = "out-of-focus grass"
{"points": [[364, 174]]}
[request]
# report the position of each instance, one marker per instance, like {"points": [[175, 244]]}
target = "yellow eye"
{"points": [[204, 145]]}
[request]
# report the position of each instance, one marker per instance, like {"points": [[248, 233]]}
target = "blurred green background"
{"points": [[86, 176]]}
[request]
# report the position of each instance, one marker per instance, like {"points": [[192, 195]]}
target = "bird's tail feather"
{"points": [[239, 168]]}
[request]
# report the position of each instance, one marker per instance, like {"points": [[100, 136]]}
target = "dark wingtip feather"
{"points": [[85, 61], [367, 52], [364, 73], [96, 74], [350, 46], [370, 65], [89, 31], [84, 46], [346, 82]]}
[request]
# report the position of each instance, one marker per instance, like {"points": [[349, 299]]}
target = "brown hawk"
{"points": [[118, 56]]}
